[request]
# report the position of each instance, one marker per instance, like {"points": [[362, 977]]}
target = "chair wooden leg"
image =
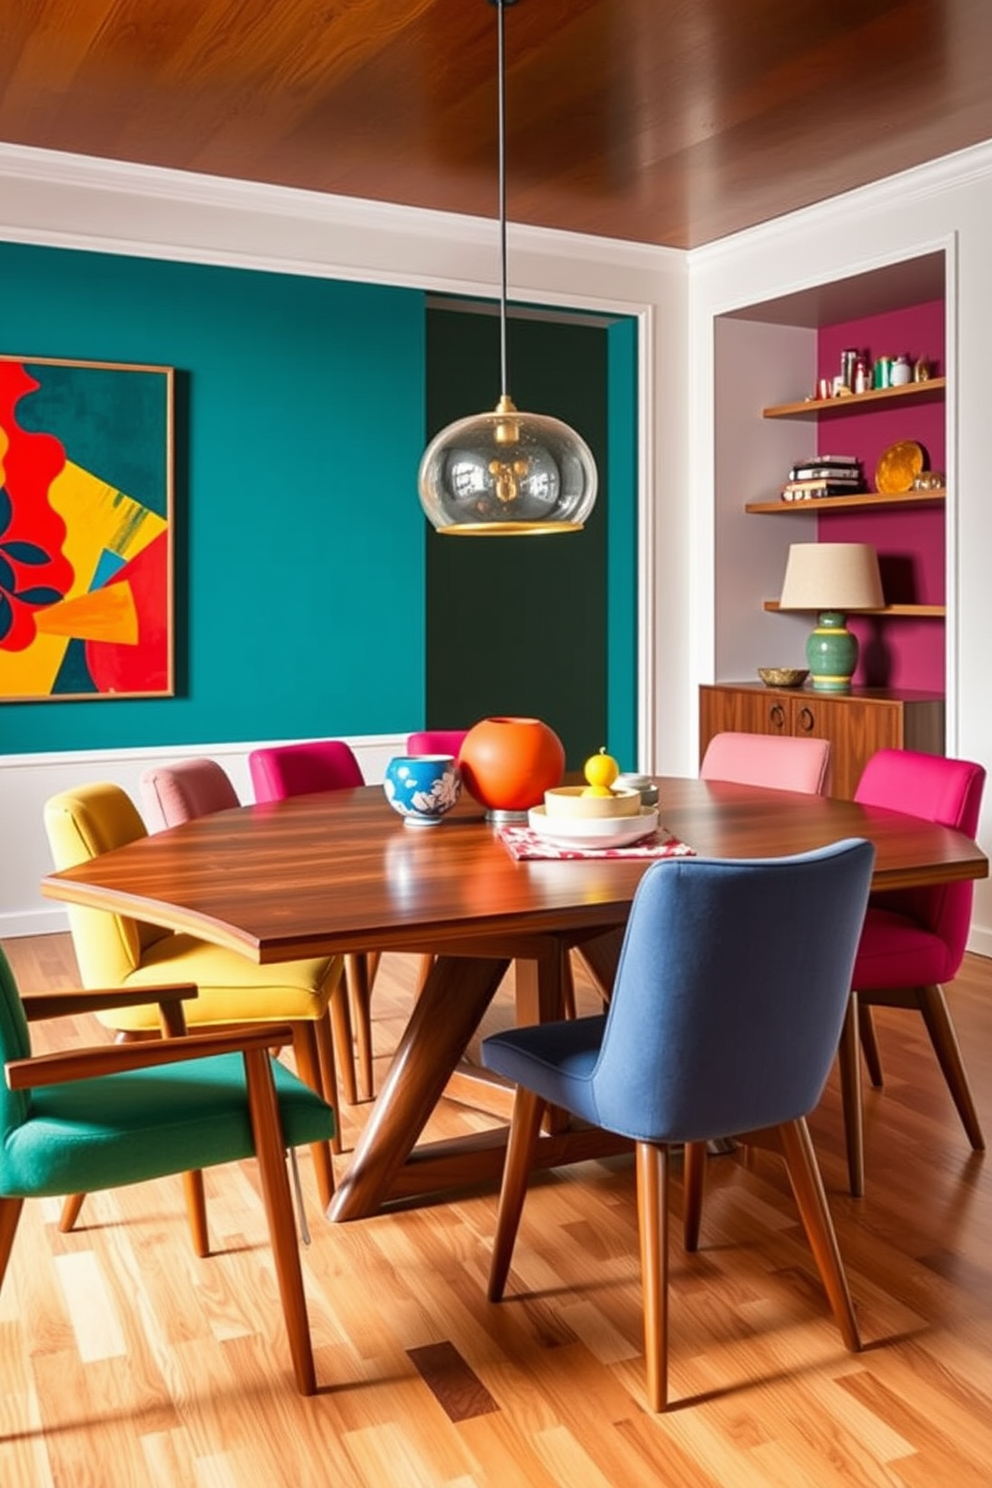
{"points": [[271, 1151], [343, 1044], [869, 1043], [71, 1206], [528, 1110], [693, 1184], [329, 1076], [652, 1226], [10, 1213], [849, 1063], [360, 993], [196, 1211], [309, 1071], [936, 1015], [807, 1185]]}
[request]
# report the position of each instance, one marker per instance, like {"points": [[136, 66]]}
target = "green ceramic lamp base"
{"points": [[832, 653]]}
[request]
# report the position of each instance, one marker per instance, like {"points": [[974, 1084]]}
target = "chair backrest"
{"points": [[177, 793], [730, 993], [297, 769], [947, 791], [81, 824], [15, 1043], [436, 741], [774, 760]]}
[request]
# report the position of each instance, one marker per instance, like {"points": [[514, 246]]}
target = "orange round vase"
{"points": [[508, 763]]}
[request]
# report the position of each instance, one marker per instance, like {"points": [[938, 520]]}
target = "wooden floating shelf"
{"points": [[915, 611], [931, 389], [863, 499]]}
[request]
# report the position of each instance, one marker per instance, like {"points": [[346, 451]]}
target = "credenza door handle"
{"points": [[806, 720]]}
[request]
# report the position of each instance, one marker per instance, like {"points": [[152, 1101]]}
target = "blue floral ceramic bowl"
{"points": [[422, 787]]}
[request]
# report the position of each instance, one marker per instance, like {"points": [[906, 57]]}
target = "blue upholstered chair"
{"points": [[728, 1004], [121, 1113]]}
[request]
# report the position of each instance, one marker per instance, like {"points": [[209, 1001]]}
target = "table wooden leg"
{"points": [[444, 1018], [601, 953]]}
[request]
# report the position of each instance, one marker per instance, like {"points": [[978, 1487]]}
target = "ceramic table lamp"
{"points": [[834, 579]]}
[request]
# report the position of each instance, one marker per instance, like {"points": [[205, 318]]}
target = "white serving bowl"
{"points": [[596, 831]]}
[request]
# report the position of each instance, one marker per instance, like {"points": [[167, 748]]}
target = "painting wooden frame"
{"points": [[86, 530]]}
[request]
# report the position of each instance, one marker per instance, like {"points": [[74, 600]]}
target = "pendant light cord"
{"points": [[501, 69]]}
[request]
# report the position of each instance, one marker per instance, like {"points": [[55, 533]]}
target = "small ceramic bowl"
{"points": [[569, 800], [783, 676], [422, 787]]}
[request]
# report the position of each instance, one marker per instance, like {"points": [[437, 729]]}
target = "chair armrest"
{"points": [[67, 1004], [110, 1059]]}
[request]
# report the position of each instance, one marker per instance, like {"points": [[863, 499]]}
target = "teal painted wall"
{"points": [[299, 537], [540, 626]]}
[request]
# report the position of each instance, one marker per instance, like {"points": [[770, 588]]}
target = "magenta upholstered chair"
{"points": [[436, 741], [913, 940], [769, 759], [177, 793], [297, 769], [284, 770]]}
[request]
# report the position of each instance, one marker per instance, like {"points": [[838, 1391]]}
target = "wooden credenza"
{"points": [[856, 723]]}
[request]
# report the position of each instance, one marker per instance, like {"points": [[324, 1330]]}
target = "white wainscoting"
{"points": [[27, 781]]}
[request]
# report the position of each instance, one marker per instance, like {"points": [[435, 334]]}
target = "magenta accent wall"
{"points": [[899, 652]]}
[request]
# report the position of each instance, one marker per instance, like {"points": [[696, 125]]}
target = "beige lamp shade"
{"points": [[832, 576]]}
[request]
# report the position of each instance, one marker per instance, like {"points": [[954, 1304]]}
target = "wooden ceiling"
{"points": [[663, 121]]}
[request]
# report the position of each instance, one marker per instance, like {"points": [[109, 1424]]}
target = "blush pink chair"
{"points": [[769, 759], [177, 793], [284, 770], [913, 940]]}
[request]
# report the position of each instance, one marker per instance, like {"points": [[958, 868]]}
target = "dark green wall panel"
{"points": [[524, 625], [299, 537]]}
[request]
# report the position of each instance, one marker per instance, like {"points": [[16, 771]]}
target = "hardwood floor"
{"points": [[124, 1360]]}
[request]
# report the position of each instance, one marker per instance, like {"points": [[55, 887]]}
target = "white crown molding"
{"points": [[908, 188], [55, 199]]}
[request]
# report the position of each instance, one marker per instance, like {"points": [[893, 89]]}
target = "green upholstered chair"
{"points": [[103, 1117], [116, 951]]}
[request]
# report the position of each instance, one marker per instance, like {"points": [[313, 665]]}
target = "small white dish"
{"points": [[618, 831]]}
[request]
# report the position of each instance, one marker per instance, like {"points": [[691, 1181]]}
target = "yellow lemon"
{"points": [[597, 790], [601, 770]]}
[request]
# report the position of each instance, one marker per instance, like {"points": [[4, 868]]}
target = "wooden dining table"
{"points": [[339, 872]]}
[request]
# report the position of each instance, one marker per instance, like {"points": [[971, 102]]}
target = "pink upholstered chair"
{"points": [[769, 759], [913, 940], [285, 770], [177, 793]]}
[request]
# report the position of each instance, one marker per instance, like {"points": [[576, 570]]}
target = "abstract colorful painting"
{"points": [[86, 477]]}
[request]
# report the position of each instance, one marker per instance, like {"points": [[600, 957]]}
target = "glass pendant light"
{"points": [[507, 473]]}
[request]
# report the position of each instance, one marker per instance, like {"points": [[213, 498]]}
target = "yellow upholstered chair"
{"points": [[115, 951]]}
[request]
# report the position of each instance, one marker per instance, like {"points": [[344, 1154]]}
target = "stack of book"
{"points": [[824, 475]]}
